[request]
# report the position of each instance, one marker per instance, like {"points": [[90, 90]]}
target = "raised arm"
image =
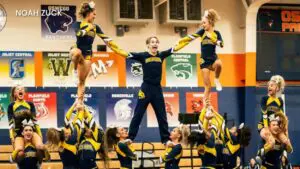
{"points": [[188, 39], [111, 44]]}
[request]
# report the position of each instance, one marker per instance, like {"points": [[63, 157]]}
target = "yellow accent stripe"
{"points": [[119, 151], [212, 151], [69, 147]]}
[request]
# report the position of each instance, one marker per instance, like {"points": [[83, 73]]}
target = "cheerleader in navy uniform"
{"points": [[18, 111], [235, 138], [151, 91], [174, 150], [115, 138], [272, 105], [210, 38], [272, 158], [205, 138], [31, 158], [91, 143], [67, 138], [81, 53]]}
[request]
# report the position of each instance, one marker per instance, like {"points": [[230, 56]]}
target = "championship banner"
{"points": [[4, 102], [120, 108], [171, 105], [57, 69], [195, 103], [57, 20], [91, 101], [182, 69], [134, 73], [45, 106], [278, 20], [17, 68], [104, 70]]}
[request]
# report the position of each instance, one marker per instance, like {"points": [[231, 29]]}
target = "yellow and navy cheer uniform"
{"points": [[212, 150], [125, 155], [269, 106], [30, 160], [172, 156], [209, 158], [231, 150], [68, 148], [208, 46], [272, 159], [17, 112], [150, 92], [85, 34], [89, 147]]}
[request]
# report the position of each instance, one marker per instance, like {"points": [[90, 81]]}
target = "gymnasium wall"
{"points": [[239, 98]]}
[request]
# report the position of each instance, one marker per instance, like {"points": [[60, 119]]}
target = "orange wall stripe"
{"points": [[233, 70], [38, 64], [121, 70], [250, 69]]}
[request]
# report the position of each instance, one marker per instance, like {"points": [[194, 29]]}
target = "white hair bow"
{"points": [[27, 123], [206, 13], [92, 4], [241, 125]]}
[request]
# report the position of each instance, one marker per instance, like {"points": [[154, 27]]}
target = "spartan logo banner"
{"points": [[57, 69], [182, 69], [57, 20], [120, 108], [17, 67]]}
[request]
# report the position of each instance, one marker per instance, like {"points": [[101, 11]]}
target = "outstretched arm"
{"points": [[111, 44], [188, 39]]}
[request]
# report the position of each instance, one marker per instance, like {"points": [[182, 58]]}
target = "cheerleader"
{"points": [[31, 157], [81, 53], [210, 38], [91, 143], [18, 111], [67, 138], [115, 138], [173, 152], [272, 157], [272, 105]]}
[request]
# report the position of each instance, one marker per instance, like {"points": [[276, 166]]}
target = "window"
{"points": [[177, 9], [145, 9], [193, 9], [127, 9]]}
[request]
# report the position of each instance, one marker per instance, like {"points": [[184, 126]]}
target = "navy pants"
{"points": [[150, 94]]}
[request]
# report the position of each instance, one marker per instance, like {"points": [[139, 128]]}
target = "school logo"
{"points": [[100, 67], [182, 70], [56, 23], [60, 66], [122, 110], [17, 67], [136, 69], [3, 16]]}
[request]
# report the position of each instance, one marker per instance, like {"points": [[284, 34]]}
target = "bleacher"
{"points": [[148, 153]]}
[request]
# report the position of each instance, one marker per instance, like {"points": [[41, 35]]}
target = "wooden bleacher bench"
{"points": [[156, 149]]}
